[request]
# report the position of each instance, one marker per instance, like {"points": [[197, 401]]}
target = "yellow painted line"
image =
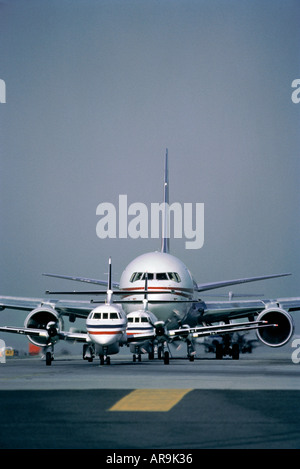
{"points": [[150, 400]]}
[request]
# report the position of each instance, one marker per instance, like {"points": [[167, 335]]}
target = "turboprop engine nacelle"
{"points": [[44, 318], [279, 335]]}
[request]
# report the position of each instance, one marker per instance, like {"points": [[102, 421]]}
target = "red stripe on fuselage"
{"points": [[185, 292], [104, 332]]}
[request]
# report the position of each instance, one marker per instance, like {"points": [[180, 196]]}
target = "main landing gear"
{"points": [[164, 354], [233, 351], [137, 357], [104, 360], [191, 352], [49, 355]]}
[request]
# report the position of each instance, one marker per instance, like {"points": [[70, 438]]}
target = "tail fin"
{"points": [[165, 241], [109, 274], [109, 290]]}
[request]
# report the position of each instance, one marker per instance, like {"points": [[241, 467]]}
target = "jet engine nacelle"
{"points": [[44, 318], [279, 335]]}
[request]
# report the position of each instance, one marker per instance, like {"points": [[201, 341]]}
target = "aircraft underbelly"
{"points": [[110, 349]]}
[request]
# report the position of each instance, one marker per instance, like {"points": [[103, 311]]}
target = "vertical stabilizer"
{"points": [[109, 274], [109, 290], [165, 238]]}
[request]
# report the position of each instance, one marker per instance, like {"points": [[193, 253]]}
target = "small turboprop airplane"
{"points": [[106, 328], [141, 329], [179, 312]]}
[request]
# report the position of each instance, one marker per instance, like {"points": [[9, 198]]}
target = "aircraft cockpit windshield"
{"points": [[106, 315], [138, 319], [173, 276]]}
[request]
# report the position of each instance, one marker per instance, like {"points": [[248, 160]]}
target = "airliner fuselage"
{"points": [[165, 273]]}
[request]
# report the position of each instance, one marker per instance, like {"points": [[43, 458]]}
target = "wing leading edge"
{"points": [[227, 283], [80, 309]]}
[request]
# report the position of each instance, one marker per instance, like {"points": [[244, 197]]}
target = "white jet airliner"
{"points": [[175, 310]]}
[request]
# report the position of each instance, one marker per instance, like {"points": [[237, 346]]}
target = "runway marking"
{"points": [[150, 400]]}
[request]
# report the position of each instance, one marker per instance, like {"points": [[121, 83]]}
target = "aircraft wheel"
{"points": [[48, 358], [219, 351], [108, 361], [235, 352], [166, 358]]}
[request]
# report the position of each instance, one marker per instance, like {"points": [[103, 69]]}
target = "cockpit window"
{"points": [[173, 276], [150, 276], [138, 319], [112, 315], [141, 276], [161, 276]]}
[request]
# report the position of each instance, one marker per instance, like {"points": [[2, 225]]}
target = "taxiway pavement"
{"points": [[249, 403]]}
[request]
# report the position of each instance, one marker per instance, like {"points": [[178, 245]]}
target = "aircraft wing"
{"points": [[83, 280], [217, 317], [25, 331], [203, 331], [44, 333], [226, 283], [213, 311], [80, 309]]}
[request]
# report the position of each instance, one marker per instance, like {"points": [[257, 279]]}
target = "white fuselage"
{"points": [[106, 325], [165, 273], [141, 325]]}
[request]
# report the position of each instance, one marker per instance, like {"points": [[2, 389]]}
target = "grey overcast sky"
{"points": [[95, 93]]}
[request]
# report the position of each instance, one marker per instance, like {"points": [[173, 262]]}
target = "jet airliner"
{"points": [[172, 309]]}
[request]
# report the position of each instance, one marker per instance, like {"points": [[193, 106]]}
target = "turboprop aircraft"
{"points": [[175, 302], [106, 328], [141, 329]]}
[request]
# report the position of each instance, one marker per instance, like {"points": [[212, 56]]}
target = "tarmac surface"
{"points": [[206, 404]]}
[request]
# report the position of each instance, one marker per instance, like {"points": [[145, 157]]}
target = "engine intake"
{"points": [[44, 318], [275, 336]]}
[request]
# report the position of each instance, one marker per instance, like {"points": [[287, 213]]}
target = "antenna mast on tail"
{"points": [[165, 241]]}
